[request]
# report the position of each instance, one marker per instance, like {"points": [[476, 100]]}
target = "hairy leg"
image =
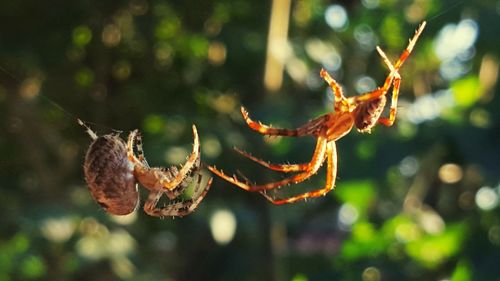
{"points": [[193, 163], [178, 209], [331, 174], [393, 74], [313, 167], [310, 128], [286, 168]]}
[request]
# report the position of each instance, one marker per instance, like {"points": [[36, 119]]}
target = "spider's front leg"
{"points": [[395, 91], [178, 209], [394, 74], [310, 128], [169, 181], [331, 174], [193, 163]]}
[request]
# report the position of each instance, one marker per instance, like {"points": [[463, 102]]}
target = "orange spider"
{"points": [[363, 111]]}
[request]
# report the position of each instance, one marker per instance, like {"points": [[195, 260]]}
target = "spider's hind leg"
{"points": [[286, 168]]}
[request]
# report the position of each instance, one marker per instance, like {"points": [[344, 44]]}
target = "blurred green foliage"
{"points": [[416, 201]]}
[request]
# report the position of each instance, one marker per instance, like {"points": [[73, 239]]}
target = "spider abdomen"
{"points": [[368, 113], [109, 175]]}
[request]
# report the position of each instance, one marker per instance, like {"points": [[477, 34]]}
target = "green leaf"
{"points": [[463, 272], [33, 267], [466, 91], [365, 241], [357, 193], [432, 250]]}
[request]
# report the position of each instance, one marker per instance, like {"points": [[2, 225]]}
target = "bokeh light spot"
{"points": [[122, 70], [370, 4], [217, 53], [153, 124], [223, 226], [336, 17], [348, 215], [224, 103], [164, 54], [30, 88], [82, 35], [365, 84], [371, 274], [58, 229], [211, 146], [466, 200], [84, 77], [494, 234], [450, 173], [409, 166], [365, 37], [431, 222], [453, 39], [480, 118], [111, 35], [138, 7], [297, 69], [176, 155], [486, 198]]}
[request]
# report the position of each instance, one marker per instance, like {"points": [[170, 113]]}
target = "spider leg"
{"points": [[139, 163], [310, 128], [341, 102], [331, 173], [178, 209], [178, 190], [312, 168], [395, 91], [89, 131], [393, 74], [286, 168], [171, 179], [140, 151], [192, 163]]}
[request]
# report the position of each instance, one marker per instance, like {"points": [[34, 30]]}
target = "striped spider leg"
{"points": [[169, 181]]}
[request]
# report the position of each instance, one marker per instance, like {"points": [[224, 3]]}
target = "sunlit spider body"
{"points": [[112, 171], [363, 112]]}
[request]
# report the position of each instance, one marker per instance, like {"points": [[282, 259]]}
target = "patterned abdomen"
{"points": [[368, 113], [109, 175]]}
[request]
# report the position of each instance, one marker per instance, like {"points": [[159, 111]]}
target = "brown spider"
{"points": [[112, 171], [362, 111]]}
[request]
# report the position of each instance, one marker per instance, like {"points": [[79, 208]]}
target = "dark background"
{"points": [[416, 201]]}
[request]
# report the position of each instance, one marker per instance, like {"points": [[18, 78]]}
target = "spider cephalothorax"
{"points": [[112, 171], [363, 112]]}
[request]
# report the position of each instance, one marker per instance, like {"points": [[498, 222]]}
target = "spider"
{"points": [[363, 111], [112, 171]]}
